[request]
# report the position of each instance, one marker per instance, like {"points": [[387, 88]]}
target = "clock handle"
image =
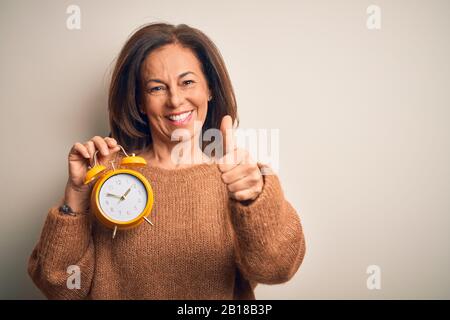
{"points": [[95, 156], [123, 150], [95, 160]]}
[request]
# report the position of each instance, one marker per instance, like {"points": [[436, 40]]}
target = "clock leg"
{"points": [[146, 219]]}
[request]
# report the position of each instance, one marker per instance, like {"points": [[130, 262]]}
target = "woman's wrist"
{"points": [[76, 199]]}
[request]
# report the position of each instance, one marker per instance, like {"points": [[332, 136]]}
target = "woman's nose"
{"points": [[176, 98]]}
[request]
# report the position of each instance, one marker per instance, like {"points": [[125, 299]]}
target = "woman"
{"points": [[220, 227]]}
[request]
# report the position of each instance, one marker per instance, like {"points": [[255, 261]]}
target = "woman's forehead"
{"points": [[170, 60]]}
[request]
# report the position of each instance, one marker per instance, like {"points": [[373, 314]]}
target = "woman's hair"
{"points": [[129, 126]]}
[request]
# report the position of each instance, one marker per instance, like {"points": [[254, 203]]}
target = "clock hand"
{"points": [[125, 194], [112, 195], [128, 191]]}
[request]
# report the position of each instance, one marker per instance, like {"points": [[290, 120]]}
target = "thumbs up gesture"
{"points": [[239, 172]]}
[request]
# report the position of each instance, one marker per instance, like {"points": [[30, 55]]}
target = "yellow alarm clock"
{"points": [[122, 198]]}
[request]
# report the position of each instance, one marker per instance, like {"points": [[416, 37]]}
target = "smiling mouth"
{"points": [[180, 118]]}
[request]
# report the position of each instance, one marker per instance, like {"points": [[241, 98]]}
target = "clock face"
{"points": [[122, 197]]}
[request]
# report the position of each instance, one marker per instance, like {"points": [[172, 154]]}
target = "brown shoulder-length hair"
{"points": [[129, 126]]}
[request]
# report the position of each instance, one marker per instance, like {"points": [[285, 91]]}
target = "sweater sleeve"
{"points": [[269, 240], [65, 241]]}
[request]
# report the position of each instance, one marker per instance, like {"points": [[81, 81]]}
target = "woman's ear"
{"points": [[209, 95]]}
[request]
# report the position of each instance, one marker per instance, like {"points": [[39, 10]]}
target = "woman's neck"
{"points": [[175, 155]]}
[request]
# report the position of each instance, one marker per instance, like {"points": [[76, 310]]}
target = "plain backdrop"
{"points": [[363, 118]]}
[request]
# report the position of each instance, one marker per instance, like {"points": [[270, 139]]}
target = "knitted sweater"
{"points": [[203, 245]]}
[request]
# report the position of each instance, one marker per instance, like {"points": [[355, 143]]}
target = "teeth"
{"points": [[180, 117]]}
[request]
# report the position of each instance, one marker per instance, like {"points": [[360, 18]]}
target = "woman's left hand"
{"points": [[240, 172]]}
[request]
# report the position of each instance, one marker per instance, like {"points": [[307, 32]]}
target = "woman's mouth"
{"points": [[181, 118]]}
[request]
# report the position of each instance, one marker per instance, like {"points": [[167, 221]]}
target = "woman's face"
{"points": [[175, 91]]}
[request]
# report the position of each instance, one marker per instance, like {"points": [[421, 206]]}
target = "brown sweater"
{"points": [[203, 245]]}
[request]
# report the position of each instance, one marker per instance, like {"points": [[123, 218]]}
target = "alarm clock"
{"points": [[121, 198]]}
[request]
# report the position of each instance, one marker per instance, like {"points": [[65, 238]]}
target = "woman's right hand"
{"points": [[80, 156]]}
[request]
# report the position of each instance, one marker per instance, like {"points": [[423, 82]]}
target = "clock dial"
{"points": [[122, 197]]}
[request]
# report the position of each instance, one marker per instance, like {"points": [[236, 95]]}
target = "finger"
{"points": [[247, 194], [248, 182], [101, 145], [226, 128], [231, 160], [237, 173], [90, 148], [81, 149], [237, 157], [112, 144]]}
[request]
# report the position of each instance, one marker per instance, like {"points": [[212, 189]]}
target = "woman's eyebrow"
{"points": [[181, 75]]}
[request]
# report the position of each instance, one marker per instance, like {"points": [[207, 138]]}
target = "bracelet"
{"points": [[66, 210]]}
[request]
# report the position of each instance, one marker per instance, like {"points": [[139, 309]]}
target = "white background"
{"points": [[363, 118]]}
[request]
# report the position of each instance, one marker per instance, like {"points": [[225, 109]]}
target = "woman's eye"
{"points": [[188, 82], [157, 90]]}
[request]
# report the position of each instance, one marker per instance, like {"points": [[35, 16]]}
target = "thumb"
{"points": [[226, 128]]}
